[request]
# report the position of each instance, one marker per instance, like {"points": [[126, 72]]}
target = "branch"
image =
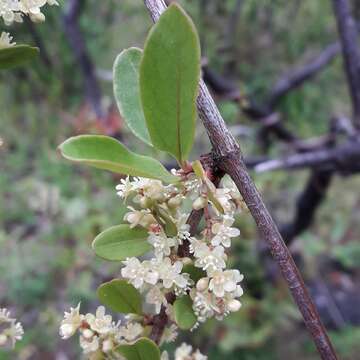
{"points": [[229, 158], [77, 42], [307, 204], [297, 76], [44, 55], [344, 158], [351, 53]]}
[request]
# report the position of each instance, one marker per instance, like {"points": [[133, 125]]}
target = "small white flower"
{"points": [[209, 259], [131, 331], [139, 217], [164, 356], [223, 196], [139, 273], [108, 345], [156, 297], [149, 188], [203, 305], [183, 352], [170, 274], [89, 345], [125, 188], [5, 40], [100, 323], [224, 232], [199, 356], [162, 244], [71, 322], [10, 330], [183, 228], [170, 334], [224, 281]]}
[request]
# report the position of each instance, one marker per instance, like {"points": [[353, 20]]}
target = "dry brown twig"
{"points": [[227, 155]]}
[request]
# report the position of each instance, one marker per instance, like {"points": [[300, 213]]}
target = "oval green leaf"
{"points": [[120, 296], [17, 55], [143, 349], [184, 314], [106, 153], [120, 242], [127, 92], [169, 78]]}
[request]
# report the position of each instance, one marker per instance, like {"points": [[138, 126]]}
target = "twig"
{"points": [[44, 55], [351, 53], [344, 158], [308, 202], [77, 42], [297, 76], [229, 158]]}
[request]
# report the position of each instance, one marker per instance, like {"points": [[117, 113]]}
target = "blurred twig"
{"points": [[77, 42], [351, 52]]}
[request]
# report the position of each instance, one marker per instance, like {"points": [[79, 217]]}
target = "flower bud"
{"points": [[87, 334], [199, 203], [147, 220], [175, 202], [66, 331], [202, 284], [234, 305], [3, 339], [145, 202], [108, 345]]}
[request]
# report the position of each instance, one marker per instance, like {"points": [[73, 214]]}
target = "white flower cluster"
{"points": [[99, 334], [10, 330], [163, 210], [14, 10], [5, 40], [185, 352]]}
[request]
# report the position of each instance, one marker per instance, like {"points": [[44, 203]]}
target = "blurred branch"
{"points": [[264, 113], [44, 55], [232, 24], [308, 201], [77, 42], [343, 158], [297, 76], [228, 157], [351, 52]]}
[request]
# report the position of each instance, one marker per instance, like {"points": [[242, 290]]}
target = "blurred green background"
{"points": [[50, 210]]}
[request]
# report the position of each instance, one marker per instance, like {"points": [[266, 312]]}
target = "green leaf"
{"points": [[127, 92], [104, 152], [120, 296], [184, 314], [169, 77], [16, 55], [143, 349], [195, 273], [120, 242]]}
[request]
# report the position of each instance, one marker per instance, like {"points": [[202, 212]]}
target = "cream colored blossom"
{"points": [[170, 334], [224, 232], [224, 281], [139, 273], [5, 40], [156, 297], [71, 323], [10, 330], [100, 322], [131, 331]]}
